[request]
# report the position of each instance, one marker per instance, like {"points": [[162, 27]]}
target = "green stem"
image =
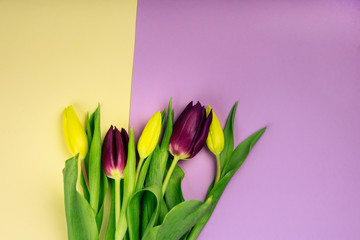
{"points": [[138, 169], [85, 173], [218, 169], [117, 201], [169, 173]]}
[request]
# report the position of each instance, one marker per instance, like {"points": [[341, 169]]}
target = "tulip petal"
{"points": [[184, 112], [185, 129], [125, 138], [75, 135], [215, 139], [119, 152], [108, 161], [202, 136], [150, 136], [202, 114], [66, 132]]}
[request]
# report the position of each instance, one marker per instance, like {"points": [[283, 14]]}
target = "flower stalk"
{"points": [[117, 200], [168, 175]]}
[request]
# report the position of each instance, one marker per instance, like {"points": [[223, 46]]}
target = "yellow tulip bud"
{"points": [[75, 135], [150, 136], [215, 139]]}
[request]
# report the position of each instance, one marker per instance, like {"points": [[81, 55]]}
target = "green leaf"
{"points": [[228, 139], [133, 210], [154, 179], [89, 127], [95, 162], [89, 133], [84, 186], [152, 235], [242, 150], [163, 210], [237, 158], [103, 190], [148, 208], [163, 115], [80, 217], [143, 172], [180, 220], [164, 147], [129, 186], [174, 195], [216, 193], [169, 127]]}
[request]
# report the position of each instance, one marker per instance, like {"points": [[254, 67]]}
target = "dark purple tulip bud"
{"points": [[190, 131], [114, 152]]}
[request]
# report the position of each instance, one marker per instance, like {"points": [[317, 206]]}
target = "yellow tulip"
{"points": [[215, 139], [148, 139], [150, 136], [75, 135]]}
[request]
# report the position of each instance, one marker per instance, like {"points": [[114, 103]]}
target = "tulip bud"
{"points": [[190, 131], [150, 136], [75, 135], [114, 152], [215, 139]]}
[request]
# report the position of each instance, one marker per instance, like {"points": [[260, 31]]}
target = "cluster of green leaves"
{"points": [[160, 215], [146, 212]]}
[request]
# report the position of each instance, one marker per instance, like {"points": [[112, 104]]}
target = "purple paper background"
{"points": [[293, 66]]}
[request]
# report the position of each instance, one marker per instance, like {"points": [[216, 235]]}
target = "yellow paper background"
{"points": [[53, 54]]}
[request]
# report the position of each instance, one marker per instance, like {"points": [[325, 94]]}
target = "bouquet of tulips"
{"points": [[113, 191]]}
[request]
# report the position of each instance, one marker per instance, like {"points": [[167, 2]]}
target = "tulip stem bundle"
{"points": [[164, 212]]}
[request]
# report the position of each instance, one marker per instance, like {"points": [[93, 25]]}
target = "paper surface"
{"points": [[293, 66], [53, 54]]}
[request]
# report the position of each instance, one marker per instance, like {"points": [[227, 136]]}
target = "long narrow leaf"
{"points": [[237, 158], [180, 219], [143, 173], [103, 190], [133, 210], [163, 210], [164, 147], [84, 186], [80, 217], [228, 139], [95, 163], [174, 195], [149, 203], [242, 150]]}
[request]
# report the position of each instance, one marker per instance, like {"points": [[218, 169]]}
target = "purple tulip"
{"points": [[190, 131], [114, 152]]}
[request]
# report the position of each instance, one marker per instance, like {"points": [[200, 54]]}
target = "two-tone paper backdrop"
{"points": [[293, 66]]}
